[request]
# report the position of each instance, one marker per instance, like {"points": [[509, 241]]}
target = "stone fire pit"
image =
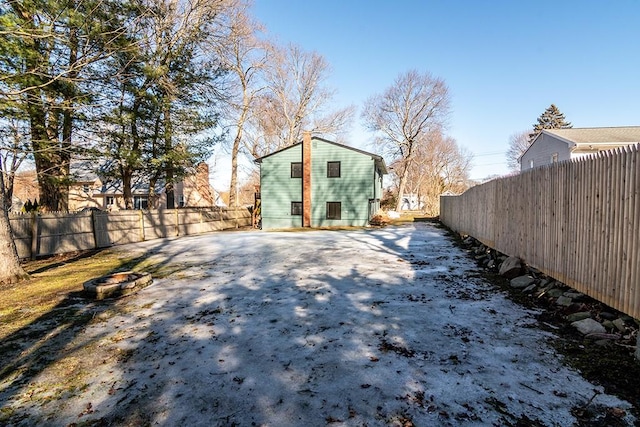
{"points": [[117, 284]]}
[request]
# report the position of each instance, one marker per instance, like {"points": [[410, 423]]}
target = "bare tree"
{"points": [[244, 55], [297, 99], [518, 143], [415, 105], [439, 165]]}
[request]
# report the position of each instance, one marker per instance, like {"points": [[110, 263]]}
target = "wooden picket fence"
{"points": [[576, 221], [54, 233]]}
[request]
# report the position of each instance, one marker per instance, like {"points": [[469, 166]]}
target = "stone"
{"points": [[511, 267], [554, 292], [629, 319], [620, 325], [589, 326], [521, 282], [574, 317], [480, 259], [608, 316], [116, 284], [576, 296], [564, 301], [491, 263], [545, 282], [608, 324], [529, 289]]}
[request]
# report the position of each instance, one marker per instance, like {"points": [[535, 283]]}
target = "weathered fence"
{"points": [[55, 233], [576, 221]]}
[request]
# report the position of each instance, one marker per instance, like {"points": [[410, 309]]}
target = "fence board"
{"points": [[68, 232], [577, 221]]}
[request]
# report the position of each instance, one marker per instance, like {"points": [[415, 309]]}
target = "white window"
{"points": [[110, 200], [140, 202], [531, 164], [86, 188], [554, 158], [181, 201]]}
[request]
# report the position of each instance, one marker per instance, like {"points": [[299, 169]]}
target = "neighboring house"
{"points": [[90, 190], [411, 202], [557, 145], [318, 183]]}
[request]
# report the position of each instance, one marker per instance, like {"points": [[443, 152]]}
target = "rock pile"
{"points": [[591, 318]]}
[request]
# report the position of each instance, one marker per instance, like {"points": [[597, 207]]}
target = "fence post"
{"points": [[177, 221], [141, 217], [34, 235], [94, 229]]}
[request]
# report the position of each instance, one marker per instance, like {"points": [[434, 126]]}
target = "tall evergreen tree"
{"points": [[47, 52], [552, 118], [165, 100]]}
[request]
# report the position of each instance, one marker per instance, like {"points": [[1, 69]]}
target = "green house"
{"points": [[319, 183]]}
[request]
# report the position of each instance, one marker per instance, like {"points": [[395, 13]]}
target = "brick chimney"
{"points": [[306, 179]]}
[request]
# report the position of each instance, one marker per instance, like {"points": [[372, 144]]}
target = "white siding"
{"points": [[542, 151]]}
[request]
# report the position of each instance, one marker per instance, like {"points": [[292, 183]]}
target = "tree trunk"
{"points": [[8, 189], [233, 186], [152, 197], [168, 146], [402, 185], [126, 188], [10, 269]]}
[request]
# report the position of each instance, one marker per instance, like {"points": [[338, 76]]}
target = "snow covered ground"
{"points": [[377, 327]]}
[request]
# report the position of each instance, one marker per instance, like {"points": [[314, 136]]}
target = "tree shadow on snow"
{"points": [[42, 355]]}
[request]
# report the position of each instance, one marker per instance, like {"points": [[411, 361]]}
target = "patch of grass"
{"points": [[413, 216], [54, 279]]}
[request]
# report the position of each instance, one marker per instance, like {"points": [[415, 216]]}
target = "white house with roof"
{"points": [[557, 145], [90, 189]]}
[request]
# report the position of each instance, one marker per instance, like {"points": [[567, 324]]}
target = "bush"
{"points": [[380, 219]]}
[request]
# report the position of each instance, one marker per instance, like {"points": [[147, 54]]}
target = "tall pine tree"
{"points": [[552, 118]]}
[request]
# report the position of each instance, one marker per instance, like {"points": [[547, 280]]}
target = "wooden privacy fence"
{"points": [[55, 233], [576, 221]]}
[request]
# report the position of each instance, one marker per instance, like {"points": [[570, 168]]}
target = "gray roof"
{"points": [[379, 160], [610, 135], [90, 171]]}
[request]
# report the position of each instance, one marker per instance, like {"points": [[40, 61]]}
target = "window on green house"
{"points": [[333, 169], [296, 208], [334, 210], [296, 169]]}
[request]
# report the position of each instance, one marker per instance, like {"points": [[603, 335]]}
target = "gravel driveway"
{"points": [[391, 326]]}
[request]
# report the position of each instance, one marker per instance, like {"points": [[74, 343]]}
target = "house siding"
{"points": [[278, 189], [352, 189], [358, 189], [542, 150]]}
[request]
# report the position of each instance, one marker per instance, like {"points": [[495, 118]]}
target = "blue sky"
{"points": [[504, 62]]}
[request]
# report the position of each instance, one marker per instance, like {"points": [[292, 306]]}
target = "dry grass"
{"points": [[51, 281]]}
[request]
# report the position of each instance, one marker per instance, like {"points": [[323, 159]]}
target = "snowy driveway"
{"points": [[389, 326]]}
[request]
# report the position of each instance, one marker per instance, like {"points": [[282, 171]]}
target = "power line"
{"points": [[489, 164], [490, 153]]}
